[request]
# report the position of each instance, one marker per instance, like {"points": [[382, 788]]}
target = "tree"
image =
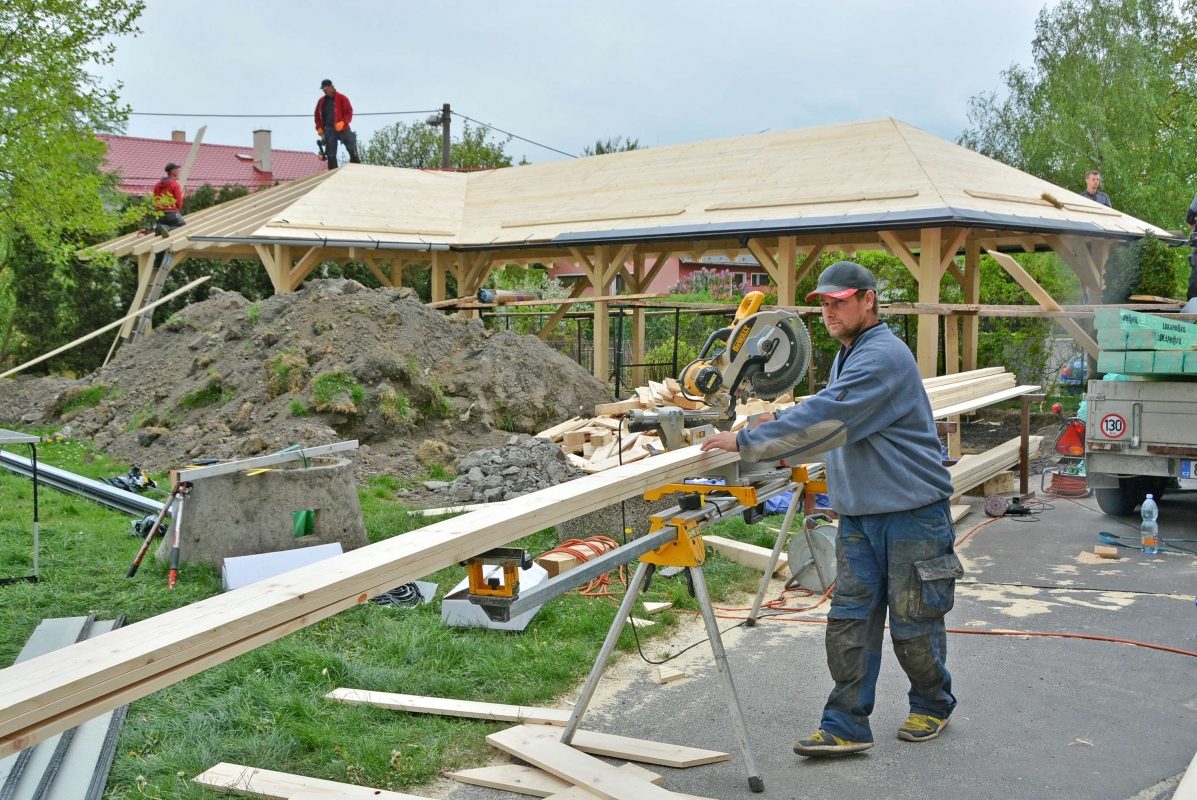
{"points": [[50, 183], [617, 144], [1111, 87], [418, 146]]}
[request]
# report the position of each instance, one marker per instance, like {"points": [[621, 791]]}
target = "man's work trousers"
{"points": [[168, 222], [902, 561], [331, 137]]}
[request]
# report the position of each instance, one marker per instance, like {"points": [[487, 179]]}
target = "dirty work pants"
{"points": [[903, 562], [168, 222], [331, 137]]}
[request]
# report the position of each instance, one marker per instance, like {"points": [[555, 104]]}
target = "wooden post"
{"points": [[929, 273], [1024, 454], [972, 295], [439, 257], [602, 315], [638, 287], [951, 365], [787, 251], [282, 263]]}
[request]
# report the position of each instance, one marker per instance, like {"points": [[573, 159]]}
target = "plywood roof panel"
{"points": [[860, 175]]}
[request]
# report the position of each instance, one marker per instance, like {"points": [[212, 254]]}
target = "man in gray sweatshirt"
{"points": [[887, 481]]}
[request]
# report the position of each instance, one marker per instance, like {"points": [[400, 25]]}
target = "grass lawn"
{"points": [[266, 708]]}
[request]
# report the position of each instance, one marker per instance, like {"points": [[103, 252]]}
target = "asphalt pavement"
{"points": [[1038, 717]]}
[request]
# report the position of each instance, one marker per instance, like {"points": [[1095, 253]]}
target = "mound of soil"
{"points": [[227, 379]]}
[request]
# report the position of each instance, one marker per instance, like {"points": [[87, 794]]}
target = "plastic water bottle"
{"points": [[1149, 535]]}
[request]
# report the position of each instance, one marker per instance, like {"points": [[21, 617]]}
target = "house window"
{"points": [[760, 279], [740, 278], [570, 280]]}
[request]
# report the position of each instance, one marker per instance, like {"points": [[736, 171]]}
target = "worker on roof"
{"points": [[888, 483], [167, 197], [333, 115], [1093, 189]]}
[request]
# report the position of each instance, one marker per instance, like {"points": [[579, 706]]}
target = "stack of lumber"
{"points": [[597, 444], [1133, 343], [975, 470]]}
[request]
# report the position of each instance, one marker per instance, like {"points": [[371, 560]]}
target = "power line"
{"points": [[280, 116], [512, 135]]}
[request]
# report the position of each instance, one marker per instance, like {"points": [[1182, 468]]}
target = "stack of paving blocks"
{"points": [[1133, 343]]}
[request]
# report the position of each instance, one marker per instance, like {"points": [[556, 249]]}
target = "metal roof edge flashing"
{"points": [[369, 244]]}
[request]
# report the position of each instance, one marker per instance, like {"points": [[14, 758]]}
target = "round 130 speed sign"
{"points": [[1113, 426]]}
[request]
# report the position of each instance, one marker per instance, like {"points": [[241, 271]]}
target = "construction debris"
{"points": [[524, 464]]}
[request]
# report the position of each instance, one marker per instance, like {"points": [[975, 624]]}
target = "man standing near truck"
{"points": [[888, 483], [333, 115]]}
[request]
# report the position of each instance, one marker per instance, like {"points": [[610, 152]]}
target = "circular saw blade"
{"points": [[786, 363]]}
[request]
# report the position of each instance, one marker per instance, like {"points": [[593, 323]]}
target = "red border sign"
{"points": [[1113, 426]]}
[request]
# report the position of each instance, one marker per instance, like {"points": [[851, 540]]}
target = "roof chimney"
{"points": [[178, 136], [262, 159]]}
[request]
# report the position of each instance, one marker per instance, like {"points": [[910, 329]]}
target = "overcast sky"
{"points": [[564, 73]]}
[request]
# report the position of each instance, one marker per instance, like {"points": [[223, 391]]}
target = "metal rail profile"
{"points": [[117, 499], [194, 473]]}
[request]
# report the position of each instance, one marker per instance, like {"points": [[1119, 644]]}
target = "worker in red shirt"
{"points": [[168, 201], [333, 115]]}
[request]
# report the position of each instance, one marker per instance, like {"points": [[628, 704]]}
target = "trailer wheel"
{"points": [[1131, 492]]}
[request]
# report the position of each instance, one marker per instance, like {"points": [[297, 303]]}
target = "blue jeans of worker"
{"points": [[346, 137], [880, 560]]}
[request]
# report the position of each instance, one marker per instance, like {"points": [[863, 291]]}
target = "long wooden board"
{"points": [[415, 704], [604, 744], [239, 779], [52, 693], [533, 781], [983, 401], [1187, 789], [974, 470], [750, 555], [547, 752]]}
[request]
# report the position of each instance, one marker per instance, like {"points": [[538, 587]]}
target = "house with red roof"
{"points": [[139, 162]]}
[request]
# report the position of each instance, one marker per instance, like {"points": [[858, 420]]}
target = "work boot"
{"points": [[921, 728], [823, 743]]}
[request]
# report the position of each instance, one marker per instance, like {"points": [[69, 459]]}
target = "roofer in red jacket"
{"points": [[333, 115], [168, 201]]}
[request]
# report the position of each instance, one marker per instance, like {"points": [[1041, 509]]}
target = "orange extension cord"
{"points": [[1068, 486], [600, 587]]}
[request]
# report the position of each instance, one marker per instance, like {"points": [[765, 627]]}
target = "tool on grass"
{"points": [[152, 530], [174, 550]]}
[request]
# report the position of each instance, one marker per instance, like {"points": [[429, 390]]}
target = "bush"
{"points": [[1147, 267], [285, 372], [298, 409], [337, 391], [708, 283]]}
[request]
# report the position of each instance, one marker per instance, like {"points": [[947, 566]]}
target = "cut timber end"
{"points": [[1106, 551], [654, 608], [641, 623], [747, 554], [557, 563], [664, 674], [960, 512]]}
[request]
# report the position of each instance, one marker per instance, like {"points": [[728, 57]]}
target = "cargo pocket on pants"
{"points": [[935, 592]]}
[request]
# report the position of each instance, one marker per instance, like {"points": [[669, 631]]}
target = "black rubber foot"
{"points": [[750, 623], [756, 784]]}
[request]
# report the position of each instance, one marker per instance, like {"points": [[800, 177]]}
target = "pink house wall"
{"points": [[673, 271]]}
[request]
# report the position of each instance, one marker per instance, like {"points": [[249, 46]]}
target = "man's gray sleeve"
{"points": [[856, 405], [1193, 205]]}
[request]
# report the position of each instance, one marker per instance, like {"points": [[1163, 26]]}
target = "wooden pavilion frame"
{"points": [[784, 198]]}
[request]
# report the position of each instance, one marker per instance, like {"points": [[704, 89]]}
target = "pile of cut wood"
{"points": [[603, 441], [559, 771]]}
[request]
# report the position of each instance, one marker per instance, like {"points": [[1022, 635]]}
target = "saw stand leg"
{"points": [[755, 782], [795, 491], [142, 324]]}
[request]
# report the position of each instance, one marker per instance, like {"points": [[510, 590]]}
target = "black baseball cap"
{"points": [[171, 165], [325, 82], [843, 279]]}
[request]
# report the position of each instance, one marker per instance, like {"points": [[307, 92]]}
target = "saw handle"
{"points": [[748, 306]]}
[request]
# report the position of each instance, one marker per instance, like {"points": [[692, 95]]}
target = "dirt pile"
{"points": [[226, 378], [525, 464]]}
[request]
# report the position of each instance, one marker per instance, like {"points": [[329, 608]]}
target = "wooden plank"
{"points": [[981, 402], [1187, 789], [495, 712], [547, 752], [50, 694], [238, 779], [557, 563], [533, 781], [1044, 299], [656, 608], [621, 407], [562, 428], [107, 327], [1002, 483], [664, 674], [960, 377], [959, 512], [747, 554], [644, 750]]}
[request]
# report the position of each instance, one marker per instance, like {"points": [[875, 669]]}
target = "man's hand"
{"points": [[725, 440], [767, 417], [340, 126], [320, 131]]}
